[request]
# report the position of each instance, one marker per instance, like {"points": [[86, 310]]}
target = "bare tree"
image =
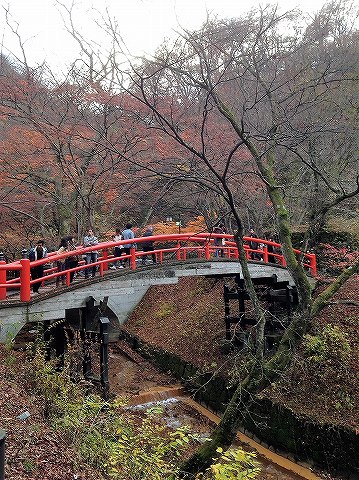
{"points": [[275, 96], [257, 101], [242, 103]]}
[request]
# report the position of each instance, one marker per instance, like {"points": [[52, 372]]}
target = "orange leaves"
{"points": [[195, 225], [198, 224]]}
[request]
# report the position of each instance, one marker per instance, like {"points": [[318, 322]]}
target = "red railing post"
{"points": [[207, 253], [104, 265], [133, 258], [161, 256], [25, 280], [265, 253], [101, 269], [2, 280], [313, 264], [178, 252]]}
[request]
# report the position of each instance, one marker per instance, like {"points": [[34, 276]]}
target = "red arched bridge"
{"points": [[16, 281]]}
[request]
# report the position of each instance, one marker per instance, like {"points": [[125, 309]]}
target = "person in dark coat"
{"points": [[36, 253], [270, 249], [254, 246], [73, 260], [148, 246]]}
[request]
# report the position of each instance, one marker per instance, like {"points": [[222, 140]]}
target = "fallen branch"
{"points": [[344, 302]]}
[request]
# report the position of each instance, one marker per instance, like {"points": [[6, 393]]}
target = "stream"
{"points": [[145, 387]]}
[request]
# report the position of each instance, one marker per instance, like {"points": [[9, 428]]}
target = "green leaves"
{"points": [[234, 464]]}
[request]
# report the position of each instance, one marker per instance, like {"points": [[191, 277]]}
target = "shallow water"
{"points": [[178, 411]]}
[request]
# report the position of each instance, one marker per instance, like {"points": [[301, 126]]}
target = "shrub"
{"points": [[165, 310], [331, 342], [123, 445], [234, 464], [333, 259]]}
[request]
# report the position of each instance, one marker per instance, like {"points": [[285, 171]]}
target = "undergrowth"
{"points": [[120, 443]]}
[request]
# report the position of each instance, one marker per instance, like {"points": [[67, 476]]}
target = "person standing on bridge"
{"points": [[270, 250], [253, 245], [91, 257], [117, 250], [148, 246], [218, 242], [73, 260], [128, 234], [36, 253], [60, 264]]}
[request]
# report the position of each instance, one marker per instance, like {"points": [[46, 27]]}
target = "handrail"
{"points": [[175, 246]]}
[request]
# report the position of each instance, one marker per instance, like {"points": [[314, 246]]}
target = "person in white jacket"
{"points": [[117, 250]]}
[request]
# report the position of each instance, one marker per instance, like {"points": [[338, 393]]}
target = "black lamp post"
{"points": [[2, 454], [104, 334]]}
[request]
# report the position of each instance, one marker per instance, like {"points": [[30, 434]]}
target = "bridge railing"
{"points": [[180, 247]]}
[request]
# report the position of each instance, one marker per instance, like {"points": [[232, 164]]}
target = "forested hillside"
{"points": [[249, 122], [85, 150]]}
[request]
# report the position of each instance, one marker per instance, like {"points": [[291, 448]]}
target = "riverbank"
{"points": [[186, 320], [320, 387]]}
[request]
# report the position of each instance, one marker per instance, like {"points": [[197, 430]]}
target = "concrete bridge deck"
{"points": [[124, 289]]}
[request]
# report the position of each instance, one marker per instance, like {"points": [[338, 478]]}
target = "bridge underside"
{"points": [[124, 289]]}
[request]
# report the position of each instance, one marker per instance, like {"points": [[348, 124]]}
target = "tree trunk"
{"points": [[244, 396]]}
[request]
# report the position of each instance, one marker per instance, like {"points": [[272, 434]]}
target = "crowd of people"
{"points": [[255, 247], [68, 262], [122, 252]]}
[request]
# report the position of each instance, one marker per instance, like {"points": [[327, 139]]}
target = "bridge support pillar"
{"points": [[86, 351]]}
